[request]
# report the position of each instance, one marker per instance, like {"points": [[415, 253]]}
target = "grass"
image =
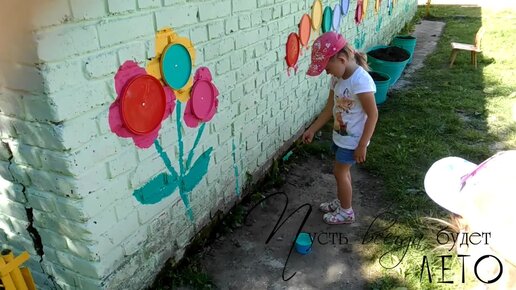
{"points": [[460, 111]]}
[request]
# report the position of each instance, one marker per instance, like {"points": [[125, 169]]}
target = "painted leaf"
{"points": [[157, 189], [197, 172]]}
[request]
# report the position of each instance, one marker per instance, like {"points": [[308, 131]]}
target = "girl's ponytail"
{"points": [[361, 59]]}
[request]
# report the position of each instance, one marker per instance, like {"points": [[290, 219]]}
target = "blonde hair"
{"points": [[461, 225], [359, 57]]}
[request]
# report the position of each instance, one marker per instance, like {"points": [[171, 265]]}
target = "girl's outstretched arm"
{"points": [[323, 118], [369, 106]]}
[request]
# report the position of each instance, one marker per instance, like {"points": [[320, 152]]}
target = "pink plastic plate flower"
{"points": [[203, 102], [126, 73]]}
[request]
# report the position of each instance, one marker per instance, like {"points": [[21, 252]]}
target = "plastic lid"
{"points": [[292, 49], [364, 8], [327, 19], [336, 18], [358, 13], [304, 30], [176, 66], [143, 104], [344, 7], [203, 98], [316, 15]]}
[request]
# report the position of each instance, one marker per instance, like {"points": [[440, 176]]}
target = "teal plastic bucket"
{"points": [[392, 68], [407, 42], [382, 86], [304, 243]]}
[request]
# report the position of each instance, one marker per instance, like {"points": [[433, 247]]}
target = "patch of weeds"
{"points": [[188, 273], [235, 218], [275, 177], [248, 178], [256, 197]]}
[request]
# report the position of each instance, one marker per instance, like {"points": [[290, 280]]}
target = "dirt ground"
{"points": [[244, 260]]}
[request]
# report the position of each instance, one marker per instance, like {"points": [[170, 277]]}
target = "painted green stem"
{"points": [[196, 142], [180, 139], [165, 158], [182, 172]]}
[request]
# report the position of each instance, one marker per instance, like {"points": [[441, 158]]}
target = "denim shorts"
{"points": [[343, 155]]}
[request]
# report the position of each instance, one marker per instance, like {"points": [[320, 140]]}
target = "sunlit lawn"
{"points": [[460, 111]]}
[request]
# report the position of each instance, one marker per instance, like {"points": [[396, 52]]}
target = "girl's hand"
{"points": [[360, 154], [308, 136]]}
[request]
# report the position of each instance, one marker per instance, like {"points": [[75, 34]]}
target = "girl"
{"points": [[351, 103]]}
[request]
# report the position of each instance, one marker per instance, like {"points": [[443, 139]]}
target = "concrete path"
{"points": [[243, 259]]}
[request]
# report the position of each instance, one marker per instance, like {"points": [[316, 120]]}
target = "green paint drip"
{"points": [[360, 39], [357, 39], [379, 23], [237, 186], [196, 142]]}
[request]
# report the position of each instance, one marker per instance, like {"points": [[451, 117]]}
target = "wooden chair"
{"points": [[473, 48]]}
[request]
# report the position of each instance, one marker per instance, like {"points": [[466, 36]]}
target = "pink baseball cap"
{"points": [[324, 47]]}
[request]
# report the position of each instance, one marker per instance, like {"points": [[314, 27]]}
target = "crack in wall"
{"points": [[33, 232]]}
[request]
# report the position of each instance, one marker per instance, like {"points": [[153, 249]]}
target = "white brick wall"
{"points": [[61, 166]]}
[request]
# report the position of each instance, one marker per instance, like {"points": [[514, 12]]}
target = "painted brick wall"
{"points": [[66, 180]]}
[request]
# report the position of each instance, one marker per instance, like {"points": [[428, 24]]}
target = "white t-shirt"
{"points": [[348, 114]]}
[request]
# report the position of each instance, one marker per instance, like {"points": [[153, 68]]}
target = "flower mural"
{"points": [[145, 97]]}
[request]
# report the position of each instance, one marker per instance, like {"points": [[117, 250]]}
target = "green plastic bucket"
{"points": [[407, 42], [382, 86], [392, 68]]}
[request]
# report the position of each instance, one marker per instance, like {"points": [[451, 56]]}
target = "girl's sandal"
{"points": [[339, 217], [330, 206]]}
